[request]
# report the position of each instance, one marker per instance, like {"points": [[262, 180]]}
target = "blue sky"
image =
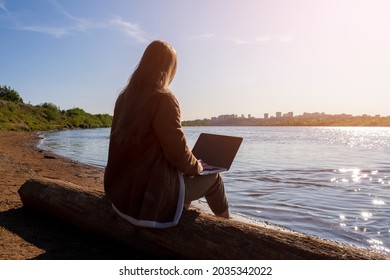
{"points": [[235, 57]]}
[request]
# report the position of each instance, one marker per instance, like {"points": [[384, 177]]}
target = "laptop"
{"points": [[217, 151]]}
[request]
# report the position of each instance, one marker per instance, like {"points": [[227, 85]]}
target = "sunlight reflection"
{"points": [[375, 241], [355, 171], [356, 179], [378, 202], [366, 215], [378, 245], [360, 229]]}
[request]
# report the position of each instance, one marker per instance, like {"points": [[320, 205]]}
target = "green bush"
{"points": [[52, 112], [9, 94]]}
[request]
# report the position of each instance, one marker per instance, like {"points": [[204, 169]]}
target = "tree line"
{"points": [[16, 115]]}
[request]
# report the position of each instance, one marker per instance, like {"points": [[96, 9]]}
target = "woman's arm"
{"points": [[168, 129]]}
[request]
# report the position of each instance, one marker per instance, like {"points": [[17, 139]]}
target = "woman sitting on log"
{"points": [[151, 173]]}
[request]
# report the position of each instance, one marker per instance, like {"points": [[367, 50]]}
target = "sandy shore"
{"points": [[25, 234]]}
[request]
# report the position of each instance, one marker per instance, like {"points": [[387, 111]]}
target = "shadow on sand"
{"points": [[61, 241]]}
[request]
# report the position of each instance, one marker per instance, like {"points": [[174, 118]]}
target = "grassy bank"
{"points": [[16, 116]]}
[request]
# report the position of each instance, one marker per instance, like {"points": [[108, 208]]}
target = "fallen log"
{"points": [[198, 235]]}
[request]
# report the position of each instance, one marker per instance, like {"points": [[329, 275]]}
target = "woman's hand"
{"points": [[205, 166]]}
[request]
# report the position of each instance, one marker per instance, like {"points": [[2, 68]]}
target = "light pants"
{"points": [[209, 186]]}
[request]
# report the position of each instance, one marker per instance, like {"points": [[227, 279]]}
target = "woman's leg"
{"points": [[212, 188]]}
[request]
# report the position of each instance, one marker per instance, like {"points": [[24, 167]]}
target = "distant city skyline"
{"points": [[289, 114]]}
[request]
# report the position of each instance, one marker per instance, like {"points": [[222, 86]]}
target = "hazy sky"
{"points": [[235, 57]]}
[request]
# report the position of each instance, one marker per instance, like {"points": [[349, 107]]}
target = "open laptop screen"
{"points": [[217, 150]]}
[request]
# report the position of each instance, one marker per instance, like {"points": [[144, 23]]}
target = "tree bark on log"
{"points": [[198, 235]]}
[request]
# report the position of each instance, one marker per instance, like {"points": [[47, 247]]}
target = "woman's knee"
{"points": [[217, 184]]}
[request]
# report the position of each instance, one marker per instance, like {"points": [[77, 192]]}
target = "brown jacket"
{"points": [[142, 177]]}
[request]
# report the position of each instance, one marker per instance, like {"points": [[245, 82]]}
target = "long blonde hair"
{"points": [[153, 75]]}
